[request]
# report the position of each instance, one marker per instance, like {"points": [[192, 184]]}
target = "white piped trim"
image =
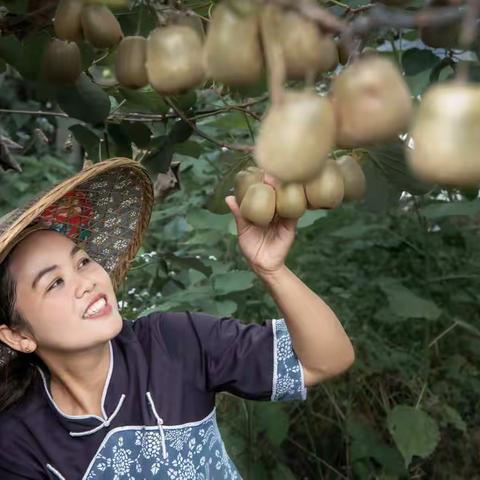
{"points": [[275, 373], [106, 423], [55, 472], [142, 427], [81, 417], [159, 423]]}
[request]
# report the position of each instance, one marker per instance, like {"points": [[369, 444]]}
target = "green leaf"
{"points": [[31, 55], [451, 209], [203, 219], [381, 195], [90, 141], [235, 281], [144, 100], [414, 432], [85, 101], [310, 217], [451, 416], [180, 132], [10, 48], [138, 133], [119, 142], [282, 472], [391, 160], [274, 421], [160, 158], [189, 149], [418, 65], [406, 303]]}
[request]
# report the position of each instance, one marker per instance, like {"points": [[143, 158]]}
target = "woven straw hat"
{"points": [[105, 209]]}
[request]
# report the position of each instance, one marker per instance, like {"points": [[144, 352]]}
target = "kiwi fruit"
{"points": [[327, 189], [130, 62], [189, 20], [62, 62], [446, 141], [354, 181], [296, 136], [174, 59], [233, 53], [290, 200], [100, 27], [372, 102], [306, 50], [243, 180], [258, 204], [67, 22]]}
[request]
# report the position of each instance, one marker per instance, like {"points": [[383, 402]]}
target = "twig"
{"points": [[200, 133]]}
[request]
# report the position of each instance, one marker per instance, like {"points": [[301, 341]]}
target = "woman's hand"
{"points": [[265, 248]]}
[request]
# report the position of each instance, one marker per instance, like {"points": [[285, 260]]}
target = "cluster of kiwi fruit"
{"points": [[339, 180], [74, 21]]}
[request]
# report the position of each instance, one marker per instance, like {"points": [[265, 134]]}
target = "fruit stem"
{"points": [[273, 53]]}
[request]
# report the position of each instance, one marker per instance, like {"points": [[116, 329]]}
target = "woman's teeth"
{"points": [[95, 308]]}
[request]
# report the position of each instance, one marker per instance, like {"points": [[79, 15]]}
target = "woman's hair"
{"points": [[17, 369]]}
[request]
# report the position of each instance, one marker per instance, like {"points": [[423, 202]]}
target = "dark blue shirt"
{"points": [[158, 404]]}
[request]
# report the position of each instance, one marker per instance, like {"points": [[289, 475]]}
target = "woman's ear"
{"points": [[16, 340]]}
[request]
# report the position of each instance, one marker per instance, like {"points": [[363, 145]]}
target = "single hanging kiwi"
{"points": [[327, 189], [62, 62], [258, 204], [130, 62], [291, 201], [67, 22], [296, 136], [305, 48], [354, 181], [174, 59], [232, 52], [100, 27], [243, 180], [372, 102], [445, 133]]}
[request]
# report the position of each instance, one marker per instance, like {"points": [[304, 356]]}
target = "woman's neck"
{"points": [[77, 382]]}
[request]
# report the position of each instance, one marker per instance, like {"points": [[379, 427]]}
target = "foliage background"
{"points": [[400, 269]]}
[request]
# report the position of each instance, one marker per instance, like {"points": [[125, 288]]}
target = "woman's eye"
{"points": [[55, 284], [84, 261]]}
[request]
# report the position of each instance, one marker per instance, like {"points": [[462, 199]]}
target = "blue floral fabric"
{"points": [[288, 382], [194, 452]]}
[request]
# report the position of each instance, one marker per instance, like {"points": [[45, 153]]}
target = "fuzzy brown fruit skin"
{"points": [[233, 53], [62, 62], [243, 180], [291, 201], [306, 50], [295, 137], [446, 136], [192, 21], [372, 102], [327, 189], [67, 22], [174, 59], [100, 27], [130, 62], [447, 36], [354, 181], [258, 205]]}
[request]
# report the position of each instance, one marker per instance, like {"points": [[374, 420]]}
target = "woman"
{"points": [[84, 394]]}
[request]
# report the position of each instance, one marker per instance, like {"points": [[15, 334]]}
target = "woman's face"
{"points": [[66, 298]]}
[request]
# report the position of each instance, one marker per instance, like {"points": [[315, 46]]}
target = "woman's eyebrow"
{"points": [[43, 272]]}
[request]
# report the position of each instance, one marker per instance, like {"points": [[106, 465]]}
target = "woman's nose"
{"points": [[85, 284]]}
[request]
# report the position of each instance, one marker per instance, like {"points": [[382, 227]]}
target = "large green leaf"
{"points": [[414, 431], [85, 101], [90, 141], [418, 65], [381, 194], [391, 160], [405, 303], [235, 281], [451, 209], [274, 421]]}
